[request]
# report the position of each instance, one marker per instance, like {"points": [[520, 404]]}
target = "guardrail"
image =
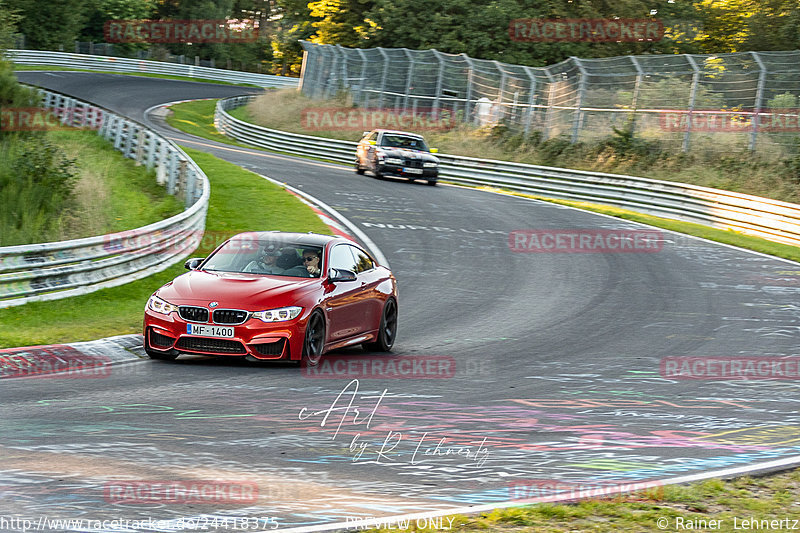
{"points": [[122, 64], [54, 270], [762, 217]]}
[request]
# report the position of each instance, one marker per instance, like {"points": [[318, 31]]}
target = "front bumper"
{"points": [[254, 338], [403, 171]]}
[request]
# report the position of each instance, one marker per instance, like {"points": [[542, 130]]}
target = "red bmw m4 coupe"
{"points": [[274, 296]]}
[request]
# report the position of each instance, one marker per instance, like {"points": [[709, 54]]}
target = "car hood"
{"points": [[251, 292], [410, 154]]}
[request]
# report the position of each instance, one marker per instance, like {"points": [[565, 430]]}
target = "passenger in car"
{"points": [[266, 262]]}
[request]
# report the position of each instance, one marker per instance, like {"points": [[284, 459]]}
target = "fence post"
{"points": [[408, 78], [548, 117], [503, 77], [344, 74], [578, 116], [331, 85], [692, 99], [531, 99], [385, 75], [470, 79], [762, 75], [636, 89], [363, 82], [439, 82]]}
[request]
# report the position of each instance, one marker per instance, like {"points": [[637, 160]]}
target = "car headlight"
{"points": [[278, 315], [394, 161], [160, 306], [430, 165]]}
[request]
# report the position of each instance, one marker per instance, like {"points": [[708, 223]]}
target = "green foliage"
{"points": [[783, 101], [51, 25], [9, 19], [36, 186]]}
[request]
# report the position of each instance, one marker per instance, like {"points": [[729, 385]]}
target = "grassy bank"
{"points": [[711, 163], [109, 193], [119, 310], [673, 508]]}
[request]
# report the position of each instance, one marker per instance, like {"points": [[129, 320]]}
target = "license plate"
{"points": [[209, 331], [412, 170]]}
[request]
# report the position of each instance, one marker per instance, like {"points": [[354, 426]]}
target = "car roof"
{"points": [[401, 132], [310, 239]]}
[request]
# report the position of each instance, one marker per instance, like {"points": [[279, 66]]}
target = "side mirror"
{"points": [[193, 263], [434, 150], [336, 275], [373, 143], [364, 134]]}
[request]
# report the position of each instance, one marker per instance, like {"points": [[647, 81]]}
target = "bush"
{"points": [[36, 188]]}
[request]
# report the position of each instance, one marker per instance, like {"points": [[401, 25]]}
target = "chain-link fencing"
{"points": [[724, 102]]}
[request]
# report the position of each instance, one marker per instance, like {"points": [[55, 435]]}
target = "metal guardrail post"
{"points": [[692, 100], [759, 99], [578, 117]]}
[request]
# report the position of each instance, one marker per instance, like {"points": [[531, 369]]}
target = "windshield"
{"points": [[266, 256], [407, 142]]}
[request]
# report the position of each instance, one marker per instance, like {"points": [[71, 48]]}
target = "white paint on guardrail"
{"points": [[773, 220]]}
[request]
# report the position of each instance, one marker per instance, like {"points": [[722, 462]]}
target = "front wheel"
{"points": [[359, 170], [387, 331], [314, 341], [432, 183]]}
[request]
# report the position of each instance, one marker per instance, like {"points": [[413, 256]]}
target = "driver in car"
{"points": [[265, 264]]}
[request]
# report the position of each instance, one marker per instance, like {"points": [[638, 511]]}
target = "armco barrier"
{"points": [[121, 64], [55, 270], [770, 219]]}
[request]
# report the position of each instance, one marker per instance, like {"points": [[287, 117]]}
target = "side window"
{"points": [[363, 261], [342, 257]]}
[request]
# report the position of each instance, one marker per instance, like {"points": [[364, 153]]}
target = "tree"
{"points": [[50, 27]]}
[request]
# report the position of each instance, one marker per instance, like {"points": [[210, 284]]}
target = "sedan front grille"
{"points": [[229, 316], [413, 163], [193, 314], [206, 345]]}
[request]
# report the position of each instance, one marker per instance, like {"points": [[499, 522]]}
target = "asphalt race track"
{"points": [[544, 366]]}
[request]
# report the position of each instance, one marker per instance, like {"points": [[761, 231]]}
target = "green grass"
{"points": [[765, 498], [119, 310], [142, 74]]}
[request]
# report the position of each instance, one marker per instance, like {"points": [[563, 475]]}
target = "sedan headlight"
{"points": [[278, 315], [394, 161], [430, 165], [160, 306]]}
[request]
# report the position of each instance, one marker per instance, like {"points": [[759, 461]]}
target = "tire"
{"points": [[359, 170], [314, 339], [387, 331], [432, 183]]}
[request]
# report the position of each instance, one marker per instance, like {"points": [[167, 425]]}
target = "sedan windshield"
{"points": [[407, 142], [258, 255]]}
